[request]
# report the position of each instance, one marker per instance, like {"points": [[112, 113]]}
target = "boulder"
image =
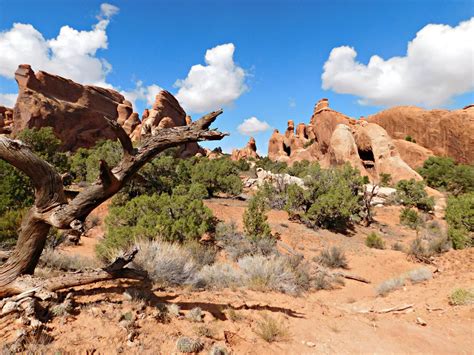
{"points": [[75, 112], [444, 132], [249, 151]]}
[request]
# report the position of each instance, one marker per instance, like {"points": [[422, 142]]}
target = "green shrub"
{"points": [[273, 166], [10, 222], [410, 218], [373, 240], [385, 179], [255, 219], [175, 218], [331, 198], [410, 139], [444, 173], [217, 175], [461, 297], [85, 162], [45, 144], [411, 193], [299, 168], [460, 218]]}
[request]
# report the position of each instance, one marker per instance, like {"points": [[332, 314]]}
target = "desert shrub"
{"points": [[296, 203], [324, 280], [85, 162], [373, 240], [54, 259], [398, 246], [201, 254], [444, 173], [16, 191], [410, 218], [218, 276], [461, 297], [242, 165], [411, 193], [275, 167], [419, 275], [175, 218], [168, 264], [385, 179], [189, 345], [299, 168], [331, 198], [268, 274], [195, 315], [255, 219], [9, 224], [333, 258], [460, 218], [237, 245], [44, 143], [217, 176], [410, 139], [275, 198], [270, 329], [390, 285]]}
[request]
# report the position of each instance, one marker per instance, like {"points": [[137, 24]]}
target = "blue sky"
{"points": [[280, 49]]}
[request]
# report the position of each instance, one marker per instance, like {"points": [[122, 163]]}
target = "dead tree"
{"points": [[51, 207], [369, 194]]}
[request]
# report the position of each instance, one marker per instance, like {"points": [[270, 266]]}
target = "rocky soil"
{"points": [[350, 319]]}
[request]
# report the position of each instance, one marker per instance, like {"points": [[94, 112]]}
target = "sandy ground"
{"points": [[344, 321]]}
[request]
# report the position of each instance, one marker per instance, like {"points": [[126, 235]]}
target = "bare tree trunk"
{"points": [[51, 207]]}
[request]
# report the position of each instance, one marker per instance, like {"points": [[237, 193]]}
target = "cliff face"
{"points": [[445, 133]]}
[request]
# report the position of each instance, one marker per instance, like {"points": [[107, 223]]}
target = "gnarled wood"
{"points": [[51, 207]]}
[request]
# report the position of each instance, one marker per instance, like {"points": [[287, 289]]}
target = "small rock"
{"points": [[9, 307], [421, 321], [310, 344], [35, 323]]}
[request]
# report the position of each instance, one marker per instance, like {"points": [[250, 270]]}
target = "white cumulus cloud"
{"points": [[142, 93], [8, 100], [252, 126], [438, 65], [218, 83], [71, 54]]}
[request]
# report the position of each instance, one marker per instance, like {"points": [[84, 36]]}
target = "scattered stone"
{"points": [[420, 321]]}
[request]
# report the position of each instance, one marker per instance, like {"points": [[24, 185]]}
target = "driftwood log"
{"points": [[51, 207]]}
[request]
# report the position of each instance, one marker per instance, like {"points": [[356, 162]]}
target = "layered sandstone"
{"points": [[249, 151], [333, 139], [444, 132], [6, 120], [75, 112], [412, 153]]}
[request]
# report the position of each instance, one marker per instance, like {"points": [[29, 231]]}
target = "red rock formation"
{"points": [[6, 120], [249, 151], [335, 139], [412, 153], [445, 133], [75, 112]]}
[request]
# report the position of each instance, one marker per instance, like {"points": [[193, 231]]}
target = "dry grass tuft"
{"points": [[270, 329]]}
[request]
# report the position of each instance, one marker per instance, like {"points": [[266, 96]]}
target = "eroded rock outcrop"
{"points": [[6, 120], [413, 154], [75, 112], [249, 151], [333, 139], [444, 132]]}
